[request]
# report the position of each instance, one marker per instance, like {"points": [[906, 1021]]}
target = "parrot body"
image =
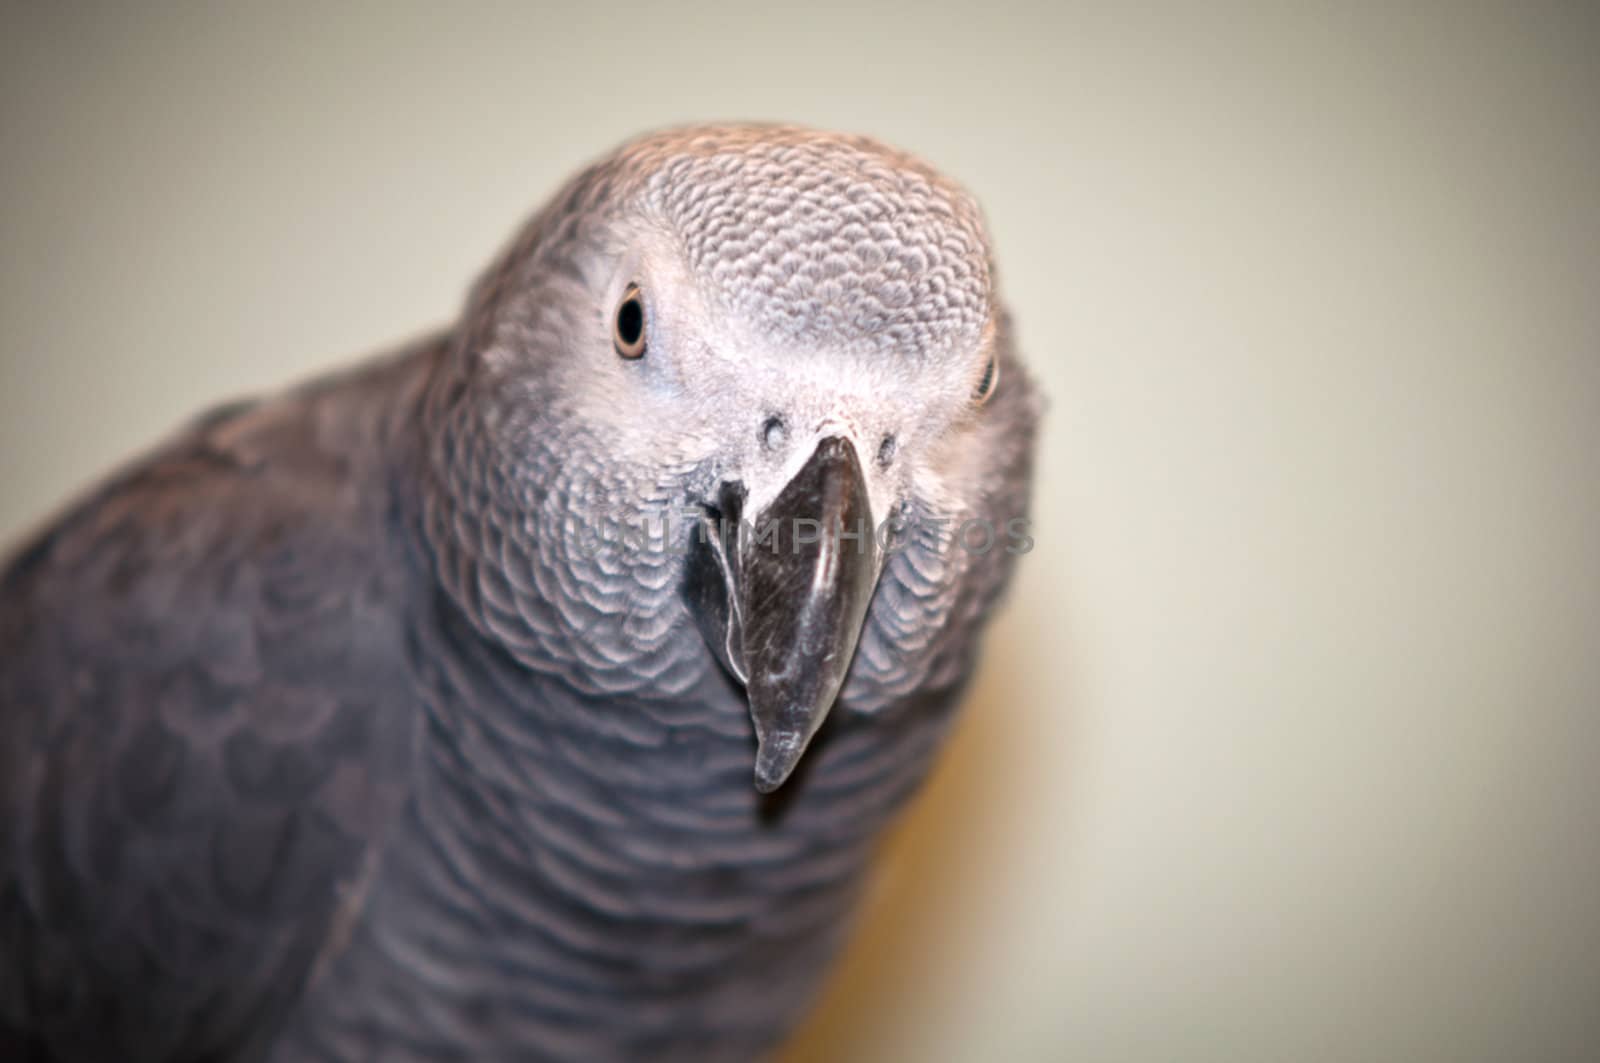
{"points": [[335, 730]]}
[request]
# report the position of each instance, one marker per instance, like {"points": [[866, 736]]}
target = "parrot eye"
{"points": [[987, 382], [627, 328]]}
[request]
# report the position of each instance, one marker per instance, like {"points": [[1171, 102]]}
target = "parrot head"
{"points": [[784, 339]]}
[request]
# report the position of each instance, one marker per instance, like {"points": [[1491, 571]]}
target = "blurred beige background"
{"points": [[1286, 748]]}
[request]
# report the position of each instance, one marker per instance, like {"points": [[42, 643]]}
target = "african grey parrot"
{"points": [[409, 715]]}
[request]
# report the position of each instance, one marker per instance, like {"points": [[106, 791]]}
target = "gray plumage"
{"points": [[332, 730]]}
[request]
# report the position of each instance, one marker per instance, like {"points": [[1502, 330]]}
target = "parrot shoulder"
{"points": [[205, 728]]}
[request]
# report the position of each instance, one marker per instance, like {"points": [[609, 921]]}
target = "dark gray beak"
{"points": [[781, 596]]}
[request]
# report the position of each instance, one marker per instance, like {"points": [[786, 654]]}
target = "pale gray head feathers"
{"points": [[796, 284]]}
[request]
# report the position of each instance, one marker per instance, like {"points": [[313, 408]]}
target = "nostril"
{"points": [[886, 451], [773, 432]]}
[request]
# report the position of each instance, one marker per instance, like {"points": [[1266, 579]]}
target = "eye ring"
{"points": [[988, 382], [628, 324]]}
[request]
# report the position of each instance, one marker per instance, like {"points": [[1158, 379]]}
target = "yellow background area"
{"points": [[1286, 746]]}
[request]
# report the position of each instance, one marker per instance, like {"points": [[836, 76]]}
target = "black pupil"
{"points": [[988, 379], [630, 322]]}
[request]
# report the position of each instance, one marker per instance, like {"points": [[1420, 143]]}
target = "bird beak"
{"points": [[781, 597]]}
